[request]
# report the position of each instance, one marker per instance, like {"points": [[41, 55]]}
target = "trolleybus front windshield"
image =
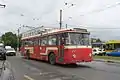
{"points": [[78, 39]]}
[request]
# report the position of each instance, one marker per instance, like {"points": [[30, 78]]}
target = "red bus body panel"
{"points": [[72, 55], [78, 55], [65, 54]]}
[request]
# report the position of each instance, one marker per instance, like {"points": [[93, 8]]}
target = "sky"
{"points": [[91, 14]]}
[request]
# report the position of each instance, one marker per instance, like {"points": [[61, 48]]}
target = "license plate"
{"points": [[81, 63]]}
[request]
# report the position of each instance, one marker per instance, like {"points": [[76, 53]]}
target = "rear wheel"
{"points": [[52, 59], [14, 54]]}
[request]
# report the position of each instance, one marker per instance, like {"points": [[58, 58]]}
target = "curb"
{"points": [[99, 60], [108, 61]]}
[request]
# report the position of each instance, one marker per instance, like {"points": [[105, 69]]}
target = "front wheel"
{"points": [[52, 59]]}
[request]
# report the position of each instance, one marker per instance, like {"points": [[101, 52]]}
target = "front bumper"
{"points": [[77, 61], [10, 53]]}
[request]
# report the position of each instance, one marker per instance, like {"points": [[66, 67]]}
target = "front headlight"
{"points": [[90, 54], [74, 56]]}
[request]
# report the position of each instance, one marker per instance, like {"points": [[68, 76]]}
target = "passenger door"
{"points": [[61, 43], [42, 48], [36, 48]]}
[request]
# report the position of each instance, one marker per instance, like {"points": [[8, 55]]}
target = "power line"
{"points": [[70, 1], [105, 28], [100, 10], [102, 28], [106, 8]]}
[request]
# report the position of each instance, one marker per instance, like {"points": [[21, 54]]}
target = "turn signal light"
{"points": [[90, 54]]}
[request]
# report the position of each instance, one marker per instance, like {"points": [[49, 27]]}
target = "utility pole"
{"points": [[18, 41], [60, 19], [66, 26], [18, 36]]}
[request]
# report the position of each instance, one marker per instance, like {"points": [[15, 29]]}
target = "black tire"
{"points": [[14, 54], [52, 59]]}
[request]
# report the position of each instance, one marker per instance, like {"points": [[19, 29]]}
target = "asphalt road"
{"points": [[37, 70]]}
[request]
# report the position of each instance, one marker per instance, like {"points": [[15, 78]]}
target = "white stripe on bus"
{"points": [[71, 47], [48, 48]]}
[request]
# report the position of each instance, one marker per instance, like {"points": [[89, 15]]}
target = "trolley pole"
{"points": [[60, 19]]}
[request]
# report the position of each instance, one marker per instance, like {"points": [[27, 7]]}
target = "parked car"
{"points": [[98, 51], [10, 52], [6, 47], [116, 53], [102, 52]]}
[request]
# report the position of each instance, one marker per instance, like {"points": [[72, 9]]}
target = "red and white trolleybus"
{"points": [[63, 46]]}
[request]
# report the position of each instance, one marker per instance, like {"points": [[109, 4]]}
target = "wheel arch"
{"points": [[51, 52]]}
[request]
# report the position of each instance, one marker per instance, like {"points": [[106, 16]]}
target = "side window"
{"points": [[23, 43], [39, 41], [118, 50], [43, 41], [36, 42], [64, 39], [28, 43], [52, 40]]}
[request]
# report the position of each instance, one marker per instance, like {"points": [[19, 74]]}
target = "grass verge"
{"points": [[107, 57]]}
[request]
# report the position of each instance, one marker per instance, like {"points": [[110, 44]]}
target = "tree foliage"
{"points": [[93, 40], [98, 40], [10, 39]]}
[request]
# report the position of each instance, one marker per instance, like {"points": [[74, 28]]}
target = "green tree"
{"points": [[93, 40], [10, 39], [98, 40]]}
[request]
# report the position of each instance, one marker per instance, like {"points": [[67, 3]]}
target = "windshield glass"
{"points": [[11, 49], [79, 39], [112, 46]]}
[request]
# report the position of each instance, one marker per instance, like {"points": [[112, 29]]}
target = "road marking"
{"points": [[28, 78]]}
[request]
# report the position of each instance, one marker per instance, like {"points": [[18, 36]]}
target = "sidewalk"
{"points": [[18, 54], [109, 61]]}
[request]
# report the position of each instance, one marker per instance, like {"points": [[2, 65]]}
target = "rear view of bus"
{"points": [[77, 46]]}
